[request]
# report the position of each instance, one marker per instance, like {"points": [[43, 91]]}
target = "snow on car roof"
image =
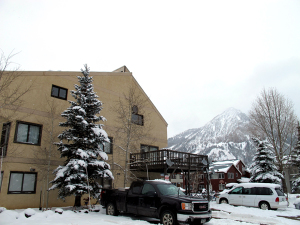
{"points": [[248, 185], [160, 181]]}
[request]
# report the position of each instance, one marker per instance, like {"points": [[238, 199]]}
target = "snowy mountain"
{"points": [[224, 137]]}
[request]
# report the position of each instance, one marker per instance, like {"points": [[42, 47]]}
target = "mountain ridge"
{"points": [[224, 137]]}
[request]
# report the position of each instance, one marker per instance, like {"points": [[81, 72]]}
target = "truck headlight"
{"points": [[186, 206]]}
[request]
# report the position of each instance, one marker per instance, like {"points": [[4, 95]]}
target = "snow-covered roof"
{"points": [[244, 180], [232, 161], [224, 166]]}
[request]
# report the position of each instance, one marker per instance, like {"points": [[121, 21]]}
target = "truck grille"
{"points": [[199, 207]]}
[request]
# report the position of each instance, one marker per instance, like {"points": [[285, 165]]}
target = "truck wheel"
{"points": [[167, 218], [111, 209]]}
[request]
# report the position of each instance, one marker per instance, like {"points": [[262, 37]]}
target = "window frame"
{"points": [[230, 175], [214, 176], [140, 118], [111, 139], [200, 187], [2, 173], [234, 191], [4, 142], [221, 176], [222, 187], [143, 147], [28, 131], [147, 188], [22, 183], [59, 88]]}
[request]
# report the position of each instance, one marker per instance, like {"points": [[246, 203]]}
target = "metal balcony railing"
{"points": [[161, 159]]}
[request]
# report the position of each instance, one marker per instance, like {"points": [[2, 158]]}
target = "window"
{"points": [[137, 118], [237, 175], [22, 183], [237, 190], [221, 176], [214, 176], [136, 188], [148, 188], [230, 175], [263, 191], [201, 177], [1, 178], [201, 186], [279, 192], [108, 146], [221, 187], [28, 133], [59, 92], [4, 138], [148, 148], [249, 191]]}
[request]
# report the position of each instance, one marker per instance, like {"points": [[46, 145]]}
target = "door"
{"points": [[249, 196], [148, 201], [235, 196], [133, 197]]}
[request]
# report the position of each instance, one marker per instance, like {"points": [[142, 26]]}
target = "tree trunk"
{"points": [[77, 201], [284, 187]]}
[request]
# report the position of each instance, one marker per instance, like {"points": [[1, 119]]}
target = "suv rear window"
{"points": [[279, 192]]}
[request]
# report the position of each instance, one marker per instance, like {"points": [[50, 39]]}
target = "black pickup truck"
{"points": [[158, 199]]}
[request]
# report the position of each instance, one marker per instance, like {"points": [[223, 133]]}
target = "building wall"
{"points": [[110, 87]]}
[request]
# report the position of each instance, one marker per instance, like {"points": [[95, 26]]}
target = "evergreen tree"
{"points": [[80, 144], [295, 161], [263, 168]]}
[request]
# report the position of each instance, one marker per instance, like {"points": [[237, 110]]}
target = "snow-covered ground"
{"points": [[222, 214]]}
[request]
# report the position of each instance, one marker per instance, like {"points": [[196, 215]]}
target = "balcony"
{"points": [[161, 160]]}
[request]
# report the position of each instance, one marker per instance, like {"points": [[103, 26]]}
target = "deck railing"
{"points": [[168, 159]]}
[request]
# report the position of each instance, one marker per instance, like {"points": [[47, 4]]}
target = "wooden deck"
{"points": [[161, 160]]}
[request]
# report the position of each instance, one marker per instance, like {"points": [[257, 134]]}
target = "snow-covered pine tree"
{"points": [[263, 168], [80, 144], [295, 161]]}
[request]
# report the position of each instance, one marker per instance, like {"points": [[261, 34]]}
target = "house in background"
{"points": [[225, 172], [27, 134]]}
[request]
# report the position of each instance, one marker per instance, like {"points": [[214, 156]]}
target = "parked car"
{"points": [[158, 199], [262, 195]]}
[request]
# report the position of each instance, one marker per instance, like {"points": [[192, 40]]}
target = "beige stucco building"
{"points": [[29, 130]]}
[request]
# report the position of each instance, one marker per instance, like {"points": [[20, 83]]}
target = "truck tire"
{"points": [[111, 209], [167, 218]]}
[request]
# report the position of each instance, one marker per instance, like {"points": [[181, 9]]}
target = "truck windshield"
{"points": [[169, 189]]}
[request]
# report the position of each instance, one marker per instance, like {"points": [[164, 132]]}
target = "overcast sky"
{"points": [[194, 59]]}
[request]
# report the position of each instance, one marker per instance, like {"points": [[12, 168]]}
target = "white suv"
{"points": [[262, 195]]}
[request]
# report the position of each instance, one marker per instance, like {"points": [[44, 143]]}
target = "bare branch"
{"points": [[12, 85]]}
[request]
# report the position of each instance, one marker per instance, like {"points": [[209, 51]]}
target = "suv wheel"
{"points": [[167, 218], [264, 206], [223, 200], [111, 209]]}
